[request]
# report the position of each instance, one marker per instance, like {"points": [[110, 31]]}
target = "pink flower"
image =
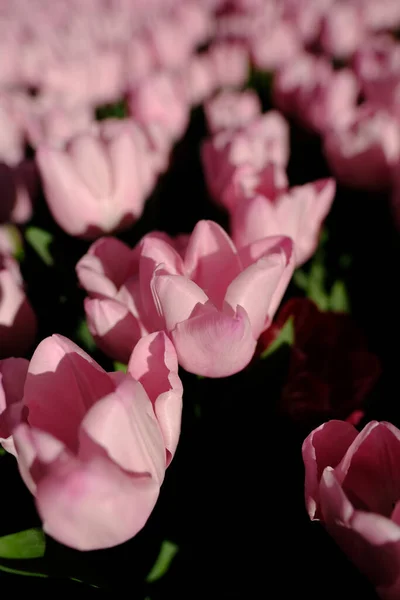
{"points": [[265, 140], [297, 214], [96, 458], [232, 110], [380, 16], [377, 64], [275, 46], [310, 90], [246, 182], [55, 126], [169, 43], [20, 187], [99, 182], [306, 16], [138, 59], [230, 62], [352, 486], [361, 153], [17, 319], [159, 101], [343, 29], [12, 142], [198, 78], [212, 300]]}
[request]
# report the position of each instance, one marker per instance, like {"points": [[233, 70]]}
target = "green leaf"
{"points": [[286, 336], [21, 572], [2, 451], [119, 366], [300, 279], [167, 553], [84, 336], [339, 299], [24, 544], [40, 241], [116, 110]]}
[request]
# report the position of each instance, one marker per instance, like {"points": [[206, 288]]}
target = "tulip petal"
{"points": [[63, 379], [324, 447], [214, 344], [176, 297], [211, 260], [124, 425], [114, 328], [155, 365]]}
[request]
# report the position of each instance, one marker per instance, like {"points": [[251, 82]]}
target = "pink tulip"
{"points": [[198, 79], [310, 90], [159, 101], [138, 59], [380, 16], [12, 143], [247, 182], [362, 153], [17, 319], [263, 141], [212, 300], [232, 110], [230, 63], [20, 187], [56, 126], [194, 22], [274, 47], [298, 214], [306, 16], [352, 486], [98, 183], [343, 29], [96, 458], [377, 64]]}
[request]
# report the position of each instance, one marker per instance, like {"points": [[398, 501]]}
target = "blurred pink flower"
{"points": [[265, 140], [232, 110], [96, 458], [361, 153], [99, 182], [20, 187], [17, 319], [309, 90], [230, 62], [277, 45], [343, 29], [352, 486], [298, 214]]}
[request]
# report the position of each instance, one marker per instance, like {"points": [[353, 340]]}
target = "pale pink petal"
{"points": [[125, 426], [114, 328], [154, 363], [214, 344], [211, 260], [176, 297]]}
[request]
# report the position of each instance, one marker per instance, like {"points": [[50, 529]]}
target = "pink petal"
{"points": [[93, 505], [155, 365], [90, 159], [63, 379], [254, 290], [105, 267], [114, 328], [253, 220], [214, 344], [324, 447], [176, 298], [211, 260], [124, 425]]}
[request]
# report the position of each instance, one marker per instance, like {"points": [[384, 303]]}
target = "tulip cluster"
{"points": [[164, 309]]}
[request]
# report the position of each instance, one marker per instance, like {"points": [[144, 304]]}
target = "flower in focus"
{"points": [[92, 446], [352, 485], [213, 300]]}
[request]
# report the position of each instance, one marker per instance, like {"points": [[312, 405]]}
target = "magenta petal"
{"points": [[214, 344]]}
